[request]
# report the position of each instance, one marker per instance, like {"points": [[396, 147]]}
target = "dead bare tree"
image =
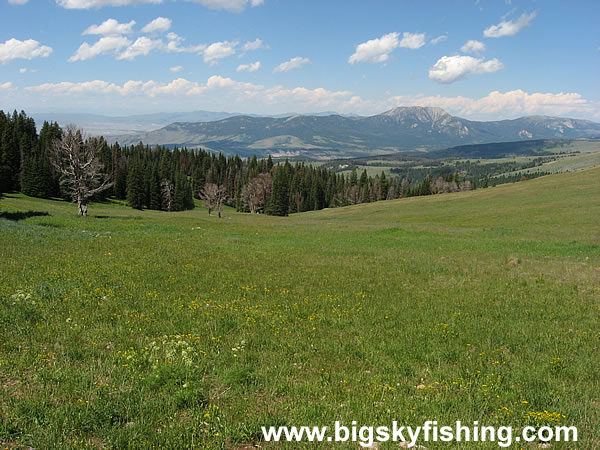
{"points": [[77, 162], [167, 193], [257, 192], [214, 196]]}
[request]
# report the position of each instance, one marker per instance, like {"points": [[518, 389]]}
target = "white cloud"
{"points": [[177, 87], [107, 44], [158, 25], [123, 48], [318, 97], [376, 50], [294, 63], [412, 40], [499, 105], [17, 2], [110, 27], [16, 49], [236, 6], [253, 98], [472, 46], [219, 50], [438, 39], [449, 69], [254, 45], [89, 4], [176, 69], [141, 47], [22, 70], [249, 67], [509, 28], [6, 85], [173, 45]]}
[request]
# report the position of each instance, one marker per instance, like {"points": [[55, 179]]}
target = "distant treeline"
{"points": [[478, 174], [169, 179]]}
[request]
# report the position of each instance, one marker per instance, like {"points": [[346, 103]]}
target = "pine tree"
{"points": [[179, 195], [136, 194], [281, 191], [155, 191], [188, 195]]}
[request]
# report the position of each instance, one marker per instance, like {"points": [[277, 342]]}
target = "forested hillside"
{"points": [[169, 179]]}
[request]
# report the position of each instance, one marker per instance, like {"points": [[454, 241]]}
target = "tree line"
{"points": [[169, 179]]}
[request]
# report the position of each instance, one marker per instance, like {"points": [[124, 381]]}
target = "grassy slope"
{"points": [[120, 330]]}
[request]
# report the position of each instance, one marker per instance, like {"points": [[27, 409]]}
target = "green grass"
{"points": [[567, 163], [132, 329]]}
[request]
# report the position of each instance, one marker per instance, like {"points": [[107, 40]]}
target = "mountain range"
{"points": [[335, 136], [102, 125]]}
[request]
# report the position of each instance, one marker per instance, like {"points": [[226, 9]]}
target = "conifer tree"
{"points": [[281, 191], [136, 192], [155, 192]]}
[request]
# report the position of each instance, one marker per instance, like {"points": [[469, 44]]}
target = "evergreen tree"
{"points": [[281, 191], [136, 193], [155, 191], [179, 195]]}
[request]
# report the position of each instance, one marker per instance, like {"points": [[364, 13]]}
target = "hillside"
{"points": [[144, 328], [334, 136]]}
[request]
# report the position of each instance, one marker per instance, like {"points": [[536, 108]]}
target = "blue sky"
{"points": [[479, 59]]}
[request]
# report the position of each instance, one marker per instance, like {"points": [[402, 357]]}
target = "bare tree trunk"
{"points": [[81, 206], [77, 162]]}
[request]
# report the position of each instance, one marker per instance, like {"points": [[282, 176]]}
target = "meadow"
{"points": [[140, 329]]}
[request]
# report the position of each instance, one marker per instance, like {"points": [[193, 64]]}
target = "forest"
{"points": [[162, 178]]}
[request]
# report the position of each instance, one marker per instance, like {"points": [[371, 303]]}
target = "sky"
{"points": [[477, 59]]}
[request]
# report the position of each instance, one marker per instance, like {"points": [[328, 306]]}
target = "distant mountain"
{"points": [[335, 136], [97, 124]]}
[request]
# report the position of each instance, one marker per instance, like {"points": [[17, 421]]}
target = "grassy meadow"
{"points": [[139, 329]]}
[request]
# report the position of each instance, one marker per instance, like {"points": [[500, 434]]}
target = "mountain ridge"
{"points": [[335, 136]]}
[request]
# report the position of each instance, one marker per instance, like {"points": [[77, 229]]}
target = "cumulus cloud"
{"points": [[107, 44], [254, 45], [236, 6], [412, 40], [125, 49], [498, 105], [110, 27], [179, 86], [449, 69], [158, 25], [508, 27], [28, 49], [90, 4], [174, 45], [294, 63], [472, 46], [141, 47], [438, 39], [249, 67], [324, 98], [376, 50], [219, 50], [176, 69], [275, 99]]}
